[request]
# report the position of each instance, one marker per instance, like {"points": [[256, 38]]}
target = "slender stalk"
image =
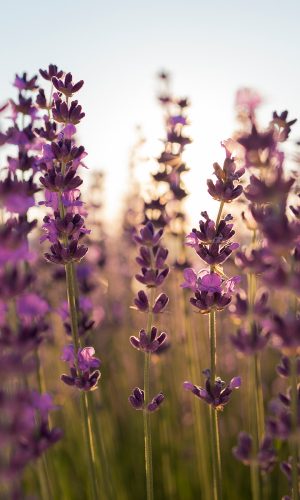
{"points": [[220, 213], [294, 439], [216, 456], [213, 344], [89, 440], [147, 422], [254, 471]]}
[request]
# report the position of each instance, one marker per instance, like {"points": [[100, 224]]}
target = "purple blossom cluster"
{"points": [[65, 227], [25, 432], [212, 289], [166, 209], [154, 270], [274, 260]]}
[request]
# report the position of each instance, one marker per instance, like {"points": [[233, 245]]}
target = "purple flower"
{"points": [[31, 305], [148, 343], [211, 291], [152, 277], [148, 236], [250, 341], [136, 399], [217, 394], [66, 86], [191, 279], [285, 332], [87, 360], [72, 252], [215, 254], [284, 367], [51, 72], [160, 303], [225, 188], [208, 233], [22, 83], [62, 113], [266, 456], [156, 402], [87, 378]]}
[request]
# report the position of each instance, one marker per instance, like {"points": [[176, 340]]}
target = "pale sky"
{"points": [[211, 49]]}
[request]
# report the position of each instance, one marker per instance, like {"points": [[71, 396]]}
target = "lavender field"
{"points": [[149, 310]]}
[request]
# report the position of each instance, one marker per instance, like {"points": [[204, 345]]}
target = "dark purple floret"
{"points": [[156, 402], [55, 181], [22, 83], [65, 151], [266, 456], [250, 341], [215, 254], [41, 99], [225, 187], [63, 113], [241, 306], [281, 123], [51, 72], [266, 191], [286, 332], [86, 378], [137, 398], [286, 468], [141, 301], [86, 381], [61, 254], [66, 86], [243, 450], [256, 141], [160, 303], [148, 236], [48, 132], [208, 233], [218, 394], [148, 343], [284, 367], [152, 277]]}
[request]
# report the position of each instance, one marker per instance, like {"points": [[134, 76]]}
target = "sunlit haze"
{"points": [[210, 48]]}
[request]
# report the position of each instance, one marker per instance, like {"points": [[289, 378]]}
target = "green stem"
{"points": [[255, 430], [212, 340], [255, 488], [147, 431], [88, 438], [294, 439], [216, 456], [147, 422]]}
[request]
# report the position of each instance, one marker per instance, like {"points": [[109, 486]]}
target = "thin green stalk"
{"points": [[216, 456], [213, 346], [254, 469], [295, 437], [102, 463], [89, 440], [220, 213], [201, 440], [44, 470], [255, 487], [88, 435], [147, 422]]}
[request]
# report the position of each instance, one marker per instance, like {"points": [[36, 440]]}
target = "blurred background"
{"points": [[210, 48]]}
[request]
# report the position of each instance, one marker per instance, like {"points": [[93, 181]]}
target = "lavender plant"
{"points": [[25, 430], [213, 292], [65, 228], [267, 194], [152, 259]]}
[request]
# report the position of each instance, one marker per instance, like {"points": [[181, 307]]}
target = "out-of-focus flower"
{"points": [[216, 394]]}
